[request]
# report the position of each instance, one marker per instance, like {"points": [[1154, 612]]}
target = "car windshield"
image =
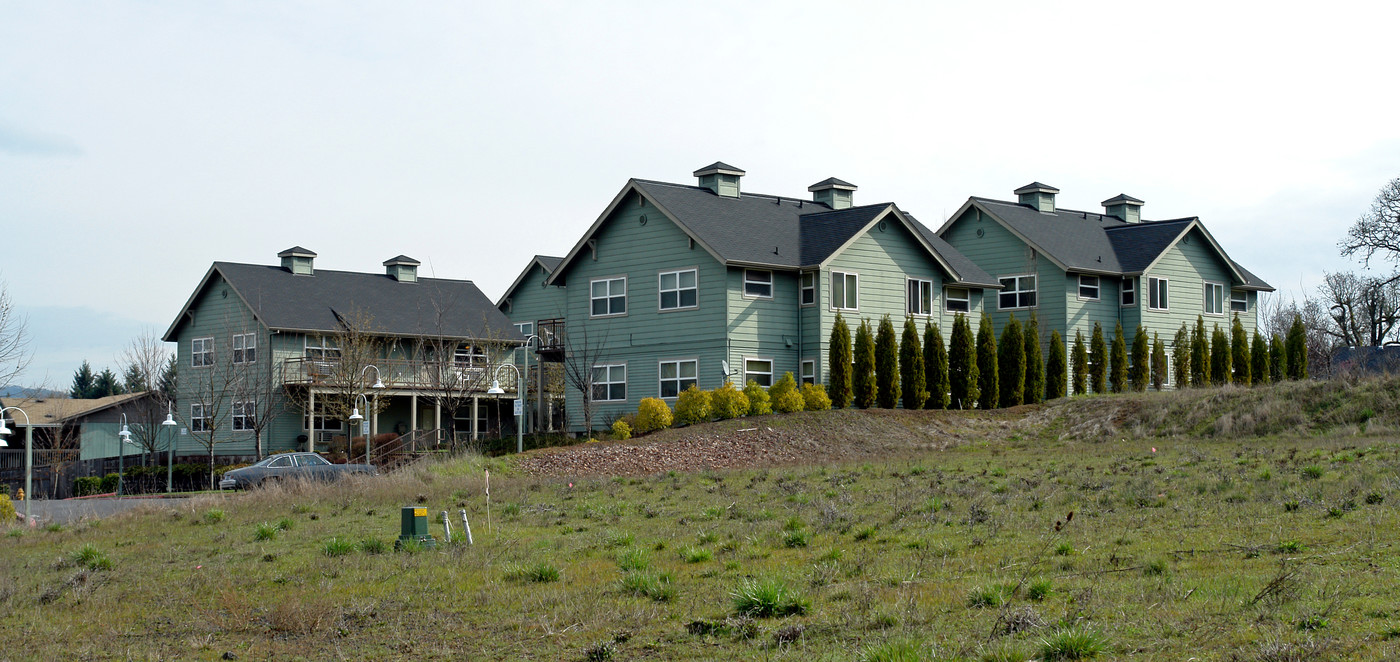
{"points": [[266, 461]]}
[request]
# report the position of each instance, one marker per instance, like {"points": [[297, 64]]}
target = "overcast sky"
{"points": [[141, 141]]}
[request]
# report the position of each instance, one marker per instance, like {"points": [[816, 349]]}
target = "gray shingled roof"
{"points": [[1138, 244], [718, 166], [549, 262], [971, 273], [832, 182], [1034, 187], [284, 301], [1122, 198]]}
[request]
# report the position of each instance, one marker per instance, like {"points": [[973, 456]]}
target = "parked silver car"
{"points": [[290, 466]]}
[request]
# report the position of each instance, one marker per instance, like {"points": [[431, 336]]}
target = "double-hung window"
{"points": [[608, 296], [322, 349], [918, 297], [199, 417], [1017, 292], [809, 371], [955, 300], [809, 288], [759, 371], [322, 419], [678, 289], [526, 329], [1157, 293], [677, 376], [1129, 295], [1239, 301], [244, 414], [610, 382], [845, 288], [201, 352], [758, 283], [1214, 299], [245, 348], [1088, 287]]}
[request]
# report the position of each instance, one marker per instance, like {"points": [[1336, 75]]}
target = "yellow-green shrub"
{"points": [[728, 402], [653, 414], [759, 404], [786, 398], [621, 431], [7, 510], [815, 398], [693, 406]]}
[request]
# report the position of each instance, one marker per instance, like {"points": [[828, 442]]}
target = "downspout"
{"points": [[800, 347]]}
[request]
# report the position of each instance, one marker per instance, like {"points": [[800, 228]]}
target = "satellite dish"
{"points": [[725, 364]]}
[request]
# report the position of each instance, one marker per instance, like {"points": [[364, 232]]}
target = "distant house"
{"points": [[71, 438], [288, 355], [1074, 268]]}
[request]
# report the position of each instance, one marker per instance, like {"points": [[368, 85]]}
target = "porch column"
{"points": [[413, 414], [373, 429], [311, 421], [437, 416], [476, 400]]}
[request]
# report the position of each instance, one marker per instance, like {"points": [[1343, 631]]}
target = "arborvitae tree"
{"points": [[1277, 360], [1055, 367], [1035, 370], [988, 385], [1296, 350], [1159, 362], [911, 367], [886, 365], [1098, 361], [106, 384], [1118, 378], [1239, 353], [1141, 369], [1011, 364], [1200, 354], [82, 383], [1080, 357], [1181, 357], [962, 365], [838, 363], [134, 380], [1220, 368], [935, 368], [166, 387], [1259, 359], [863, 375]]}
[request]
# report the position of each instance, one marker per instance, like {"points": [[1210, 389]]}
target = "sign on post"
{"points": [[519, 407]]}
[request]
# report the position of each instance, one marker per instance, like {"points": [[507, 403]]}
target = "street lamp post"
{"points": [[519, 399], [365, 427], [28, 455], [170, 450], [122, 438]]}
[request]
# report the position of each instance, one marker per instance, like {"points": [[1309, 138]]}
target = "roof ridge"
{"points": [[342, 271]]}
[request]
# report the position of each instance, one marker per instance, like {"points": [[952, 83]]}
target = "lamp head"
{"points": [[169, 420], [355, 414], [378, 383], [495, 388], [3, 430]]}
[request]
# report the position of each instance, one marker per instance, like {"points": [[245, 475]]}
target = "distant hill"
{"points": [[23, 391]]}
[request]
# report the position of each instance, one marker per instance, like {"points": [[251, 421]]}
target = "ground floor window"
{"points": [[610, 382], [243, 415], [759, 371], [809, 371], [677, 376]]}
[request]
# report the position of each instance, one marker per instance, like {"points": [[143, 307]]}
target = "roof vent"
{"points": [[833, 193], [1040, 196], [1125, 207], [298, 260], [721, 178], [402, 268]]}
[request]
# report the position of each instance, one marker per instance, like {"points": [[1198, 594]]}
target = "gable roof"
{"points": [[1095, 243], [761, 230], [546, 262], [283, 301], [50, 412]]}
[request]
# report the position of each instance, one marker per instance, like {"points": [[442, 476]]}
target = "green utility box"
{"points": [[413, 525]]}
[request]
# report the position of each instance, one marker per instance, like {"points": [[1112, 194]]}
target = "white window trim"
{"points": [[678, 379], [519, 326], [802, 289], [1079, 290], [1127, 286], [932, 299], [610, 366], [1206, 287], [323, 346], [771, 369], [842, 304], [609, 297], [1018, 278], [1152, 290], [248, 419], [678, 290], [199, 422], [769, 284], [208, 343], [966, 298], [813, 376], [250, 342], [1244, 298]]}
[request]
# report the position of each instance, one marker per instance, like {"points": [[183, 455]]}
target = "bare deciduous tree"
{"points": [[146, 359], [14, 340], [1378, 230], [341, 373], [450, 370], [1362, 309], [581, 356]]}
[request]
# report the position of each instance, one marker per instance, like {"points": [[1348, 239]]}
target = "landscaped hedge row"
{"points": [[697, 406], [144, 479]]}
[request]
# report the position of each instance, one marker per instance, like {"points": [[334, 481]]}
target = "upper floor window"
{"points": [[1129, 295], [1239, 301], [526, 329], [677, 376], [245, 348], [469, 356], [759, 371], [1214, 299], [1088, 287], [956, 300], [758, 283], [610, 382], [678, 289], [244, 414], [1017, 292], [845, 288], [1157, 293], [918, 297], [608, 296], [322, 349], [201, 352], [809, 288]]}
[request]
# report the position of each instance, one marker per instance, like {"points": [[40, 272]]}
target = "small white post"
{"points": [[446, 528], [488, 500], [466, 526]]}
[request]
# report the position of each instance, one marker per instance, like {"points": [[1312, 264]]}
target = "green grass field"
{"points": [[1212, 547]]}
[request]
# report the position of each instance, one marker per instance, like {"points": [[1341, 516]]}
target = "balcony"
{"points": [[551, 334], [398, 374]]}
